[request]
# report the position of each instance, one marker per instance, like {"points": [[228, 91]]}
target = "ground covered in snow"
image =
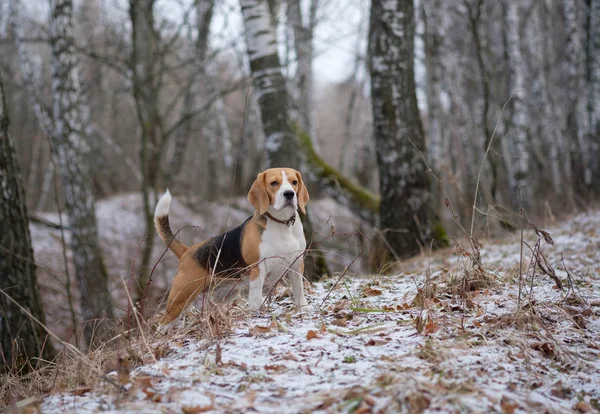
{"points": [[446, 336]]}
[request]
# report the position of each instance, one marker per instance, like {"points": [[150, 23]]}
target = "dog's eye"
{"points": [[274, 183], [295, 182]]}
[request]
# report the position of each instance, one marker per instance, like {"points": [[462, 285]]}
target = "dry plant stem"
{"points": [[135, 313], [66, 263], [131, 278], [484, 160], [572, 283], [472, 241], [340, 278], [520, 264], [67, 345]]}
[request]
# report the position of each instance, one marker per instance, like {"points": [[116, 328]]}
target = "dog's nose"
{"points": [[289, 194]]}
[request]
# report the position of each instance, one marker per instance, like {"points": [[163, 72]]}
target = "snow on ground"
{"points": [[412, 342]]}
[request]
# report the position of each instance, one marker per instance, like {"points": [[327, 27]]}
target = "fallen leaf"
{"points": [[311, 334], [508, 406], [257, 330], [218, 355], [161, 351], [123, 368], [323, 328], [376, 342], [275, 368], [372, 292], [340, 322], [431, 327], [583, 407], [546, 348], [291, 357], [81, 391], [142, 382], [195, 409]]}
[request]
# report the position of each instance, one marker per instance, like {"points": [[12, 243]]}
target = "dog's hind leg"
{"points": [[184, 290]]}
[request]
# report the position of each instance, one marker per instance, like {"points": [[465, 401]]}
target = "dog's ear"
{"points": [[258, 195], [303, 196]]}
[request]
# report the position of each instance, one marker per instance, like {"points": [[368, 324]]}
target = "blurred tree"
{"points": [[71, 152], [269, 84], [404, 187], [204, 13], [574, 133], [518, 160], [593, 90], [21, 338], [145, 61], [302, 87]]}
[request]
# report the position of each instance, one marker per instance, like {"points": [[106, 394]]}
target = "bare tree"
{"points": [[474, 14], [577, 144], [20, 337], [302, 29], [434, 35], [204, 13], [146, 85], [519, 151], [269, 83], [71, 152], [404, 187], [594, 92]]}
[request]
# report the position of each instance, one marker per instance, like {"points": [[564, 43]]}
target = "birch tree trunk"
{"points": [[70, 152], [579, 151], [404, 187], [146, 81], [204, 12], [269, 83], [303, 46], [541, 88], [434, 64], [594, 92], [21, 339], [475, 20], [519, 151]]}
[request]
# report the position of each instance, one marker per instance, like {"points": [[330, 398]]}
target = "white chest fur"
{"points": [[281, 252], [281, 244]]}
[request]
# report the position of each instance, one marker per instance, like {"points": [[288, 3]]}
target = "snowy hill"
{"points": [[446, 337]]}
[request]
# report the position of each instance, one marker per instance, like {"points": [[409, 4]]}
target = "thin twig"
{"points": [[484, 159], [521, 262]]}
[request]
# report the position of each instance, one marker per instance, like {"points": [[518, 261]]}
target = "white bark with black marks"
{"points": [[21, 339], [302, 30], [594, 92], [580, 162], [519, 151], [404, 186], [70, 152], [269, 83]]}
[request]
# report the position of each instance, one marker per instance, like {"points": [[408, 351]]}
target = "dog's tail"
{"points": [[161, 222]]}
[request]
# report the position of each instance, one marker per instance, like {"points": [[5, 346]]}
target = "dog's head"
{"points": [[280, 191]]}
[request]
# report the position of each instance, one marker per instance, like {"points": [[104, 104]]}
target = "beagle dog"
{"points": [[257, 253]]}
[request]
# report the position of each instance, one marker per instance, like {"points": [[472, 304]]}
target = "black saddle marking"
{"points": [[230, 261]]}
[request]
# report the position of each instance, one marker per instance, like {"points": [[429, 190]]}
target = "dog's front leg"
{"points": [[296, 280], [257, 281]]}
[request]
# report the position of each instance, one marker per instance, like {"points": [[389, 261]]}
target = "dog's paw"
{"points": [[303, 306]]}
